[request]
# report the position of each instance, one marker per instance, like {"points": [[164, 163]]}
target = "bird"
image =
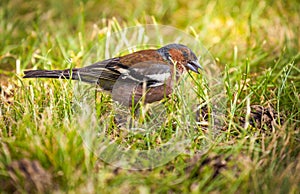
{"points": [[146, 75]]}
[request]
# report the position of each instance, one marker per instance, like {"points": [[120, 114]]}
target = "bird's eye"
{"points": [[185, 54]]}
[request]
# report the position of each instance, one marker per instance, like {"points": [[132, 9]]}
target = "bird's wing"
{"points": [[98, 71], [153, 73], [111, 70]]}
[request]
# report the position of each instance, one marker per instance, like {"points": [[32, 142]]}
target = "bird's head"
{"points": [[182, 56]]}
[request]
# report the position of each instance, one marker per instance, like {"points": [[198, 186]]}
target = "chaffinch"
{"points": [[146, 74]]}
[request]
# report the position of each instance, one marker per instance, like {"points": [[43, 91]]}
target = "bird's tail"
{"points": [[75, 74], [48, 74]]}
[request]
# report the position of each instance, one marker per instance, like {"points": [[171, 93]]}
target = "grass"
{"points": [[256, 46]]}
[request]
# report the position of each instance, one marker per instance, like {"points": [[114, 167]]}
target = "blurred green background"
{"points": [[28, 27]]}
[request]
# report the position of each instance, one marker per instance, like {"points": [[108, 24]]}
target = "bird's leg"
{"points": [[142, 106]]}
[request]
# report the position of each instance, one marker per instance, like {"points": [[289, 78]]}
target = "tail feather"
{"points": [[47, 74], [88, 74], [58, 74]]}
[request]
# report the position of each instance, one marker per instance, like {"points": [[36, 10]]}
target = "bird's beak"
{"points": [[194, 66]]}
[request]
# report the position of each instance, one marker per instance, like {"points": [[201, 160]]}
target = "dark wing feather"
{"points": [[153, 73]]}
